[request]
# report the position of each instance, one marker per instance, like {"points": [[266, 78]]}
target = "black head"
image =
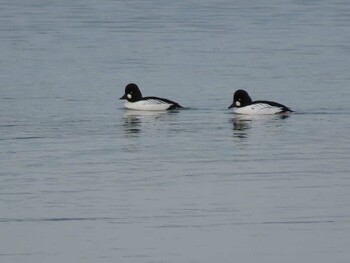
{"points": [[241, 98], [132, 93]]}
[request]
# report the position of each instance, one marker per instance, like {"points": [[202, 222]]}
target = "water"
{"points": [[83, 180]]}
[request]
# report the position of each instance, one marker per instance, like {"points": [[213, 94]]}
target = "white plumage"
{"points": [[258, 109], [151, 105]]}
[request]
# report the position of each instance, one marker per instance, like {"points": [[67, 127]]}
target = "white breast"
{"points": [[258, 109], [150, 105]]}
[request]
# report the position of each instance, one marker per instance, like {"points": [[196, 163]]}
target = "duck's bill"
{"points": [[231, 106], [123, 98]]}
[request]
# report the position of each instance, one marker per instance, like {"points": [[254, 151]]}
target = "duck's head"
{"points": [[241, 98], [132, 93]]}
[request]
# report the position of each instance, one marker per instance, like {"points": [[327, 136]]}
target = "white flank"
{"points": [[150, 105], [258, 109]]}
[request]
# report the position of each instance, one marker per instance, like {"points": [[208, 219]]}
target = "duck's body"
{"points": [[152, 104], [135, 101], [243, 104]]}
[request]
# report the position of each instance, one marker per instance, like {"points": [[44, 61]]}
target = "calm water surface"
{"points": [[83, 180]]}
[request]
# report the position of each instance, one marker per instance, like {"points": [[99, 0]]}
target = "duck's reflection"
{"points": [[133, 120], [242, 123]]}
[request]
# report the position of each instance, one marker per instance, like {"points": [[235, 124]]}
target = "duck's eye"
{"points": [[129, 96]]}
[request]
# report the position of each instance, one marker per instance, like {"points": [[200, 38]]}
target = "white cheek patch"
{"points": [[129, 96], [238, 103]]}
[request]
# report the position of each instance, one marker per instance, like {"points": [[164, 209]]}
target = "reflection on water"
{"points": [[133, 119], [240, 127], [132, 124], [242, 123]]}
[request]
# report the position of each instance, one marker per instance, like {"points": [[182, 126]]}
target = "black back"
{"points": [[275, 104], [174, 105]]}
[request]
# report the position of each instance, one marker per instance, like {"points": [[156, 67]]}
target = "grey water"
{"points": [[84, 180]]}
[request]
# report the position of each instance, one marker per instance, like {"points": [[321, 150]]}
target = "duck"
{"points": [[243, 104], [135, 101]]}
